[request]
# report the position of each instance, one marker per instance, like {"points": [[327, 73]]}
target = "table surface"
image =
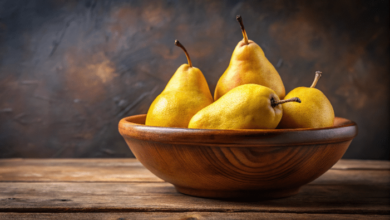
{"points": [[124, 189]]}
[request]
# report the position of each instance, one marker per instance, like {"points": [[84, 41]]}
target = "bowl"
{"points": [[247, 163]]}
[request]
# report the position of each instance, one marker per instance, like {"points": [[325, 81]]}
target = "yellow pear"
{"points": [[315, 111], [185, 94], [248, 106], [248, 64]]}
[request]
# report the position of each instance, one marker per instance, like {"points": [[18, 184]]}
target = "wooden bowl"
{"points": [[249, 163]]}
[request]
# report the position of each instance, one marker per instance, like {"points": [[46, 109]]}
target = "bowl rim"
{"points": [[133, 127]]}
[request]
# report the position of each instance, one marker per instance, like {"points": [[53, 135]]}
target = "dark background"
{"points": [[70, 70]]}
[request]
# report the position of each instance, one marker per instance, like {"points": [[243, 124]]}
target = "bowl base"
{"points": [[243, 194]]}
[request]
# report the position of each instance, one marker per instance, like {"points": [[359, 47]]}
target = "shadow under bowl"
{"points": [[247, 163]]}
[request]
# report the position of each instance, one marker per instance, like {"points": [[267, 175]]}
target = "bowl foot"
{"points": [[243, 194]]}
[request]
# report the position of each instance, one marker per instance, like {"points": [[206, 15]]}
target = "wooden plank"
{"points": [[162, 197], [131, 170], [347, 164], [354, 177], [80, 170], [187, 216]]}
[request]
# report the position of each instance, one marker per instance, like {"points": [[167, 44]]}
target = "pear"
{"points": [[315, 111], [186, 93], [248, 64], [248, 106]]}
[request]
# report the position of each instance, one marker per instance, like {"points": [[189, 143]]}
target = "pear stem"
{"points": [[177, 43], [239, 19], [317, 77], [275, 103]]}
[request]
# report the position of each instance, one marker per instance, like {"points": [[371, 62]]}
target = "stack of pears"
{"points": [[249, 95]]}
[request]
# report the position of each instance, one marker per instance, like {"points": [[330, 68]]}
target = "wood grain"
{"points": [[131, 170], [362, 165], [267, 163], [187, 216], [360, 190], [85, 170], [143, 197], [354, 177]]}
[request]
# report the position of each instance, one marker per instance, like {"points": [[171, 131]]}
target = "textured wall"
{"points": [[69, 70]]}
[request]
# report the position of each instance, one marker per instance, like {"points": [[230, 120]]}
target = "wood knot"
{"points": [[190, 218]]}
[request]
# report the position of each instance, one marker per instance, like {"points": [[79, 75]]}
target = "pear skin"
{"points": [[315, 111], [248, 106], [249, 65], [186, 93]]}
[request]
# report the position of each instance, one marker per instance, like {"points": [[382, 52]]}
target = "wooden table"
{"points": [[124, 189]]}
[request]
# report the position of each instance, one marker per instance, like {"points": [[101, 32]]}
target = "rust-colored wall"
{"points": [[69, 70]]}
